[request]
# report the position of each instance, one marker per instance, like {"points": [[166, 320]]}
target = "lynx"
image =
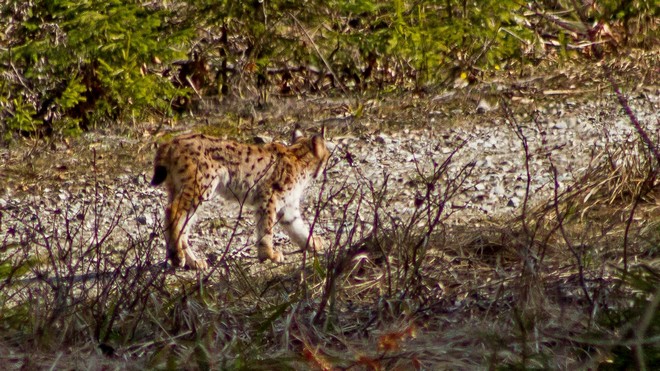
{"points": [[271, 177]]}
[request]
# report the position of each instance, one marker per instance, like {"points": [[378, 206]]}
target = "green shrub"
{"points": [[82, 62], [74, 64]]}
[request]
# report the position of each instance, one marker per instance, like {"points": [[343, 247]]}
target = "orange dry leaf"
{"points": [[317, 360], [369, 363], [390, 342]]}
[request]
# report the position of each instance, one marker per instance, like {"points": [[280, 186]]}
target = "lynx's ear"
{"points": [[318, 147], [297, 134]]}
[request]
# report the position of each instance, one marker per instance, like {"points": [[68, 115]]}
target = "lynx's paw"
{"points": [[195, 263], [177, 258], [267, 253], [198, 264]]}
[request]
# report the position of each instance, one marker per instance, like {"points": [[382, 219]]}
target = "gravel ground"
{"points": [[569, 133]]}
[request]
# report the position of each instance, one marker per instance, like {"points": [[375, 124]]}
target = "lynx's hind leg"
{"points": [[180, 218]]}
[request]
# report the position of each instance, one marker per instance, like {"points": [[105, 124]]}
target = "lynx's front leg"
{"points": [[293, 224], [265, 220]]}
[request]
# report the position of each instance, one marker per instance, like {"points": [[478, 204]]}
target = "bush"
{"points": [[73, 64], [79, 63]]}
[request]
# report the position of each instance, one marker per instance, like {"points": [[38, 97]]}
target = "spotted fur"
{"points": [[271, 177]]}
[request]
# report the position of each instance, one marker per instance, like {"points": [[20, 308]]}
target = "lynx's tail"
{"points": [[160, 168]]}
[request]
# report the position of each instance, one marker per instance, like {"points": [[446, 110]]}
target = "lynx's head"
{"points": [[314, 148]]}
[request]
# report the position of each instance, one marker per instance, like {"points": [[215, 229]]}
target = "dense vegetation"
{"points": [[69, 65]]}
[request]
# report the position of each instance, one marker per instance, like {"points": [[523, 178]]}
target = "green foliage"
{"points": [[362, 41], [613, 10], [22, 116], [72, 95], [74, 64], [83, 62]]}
